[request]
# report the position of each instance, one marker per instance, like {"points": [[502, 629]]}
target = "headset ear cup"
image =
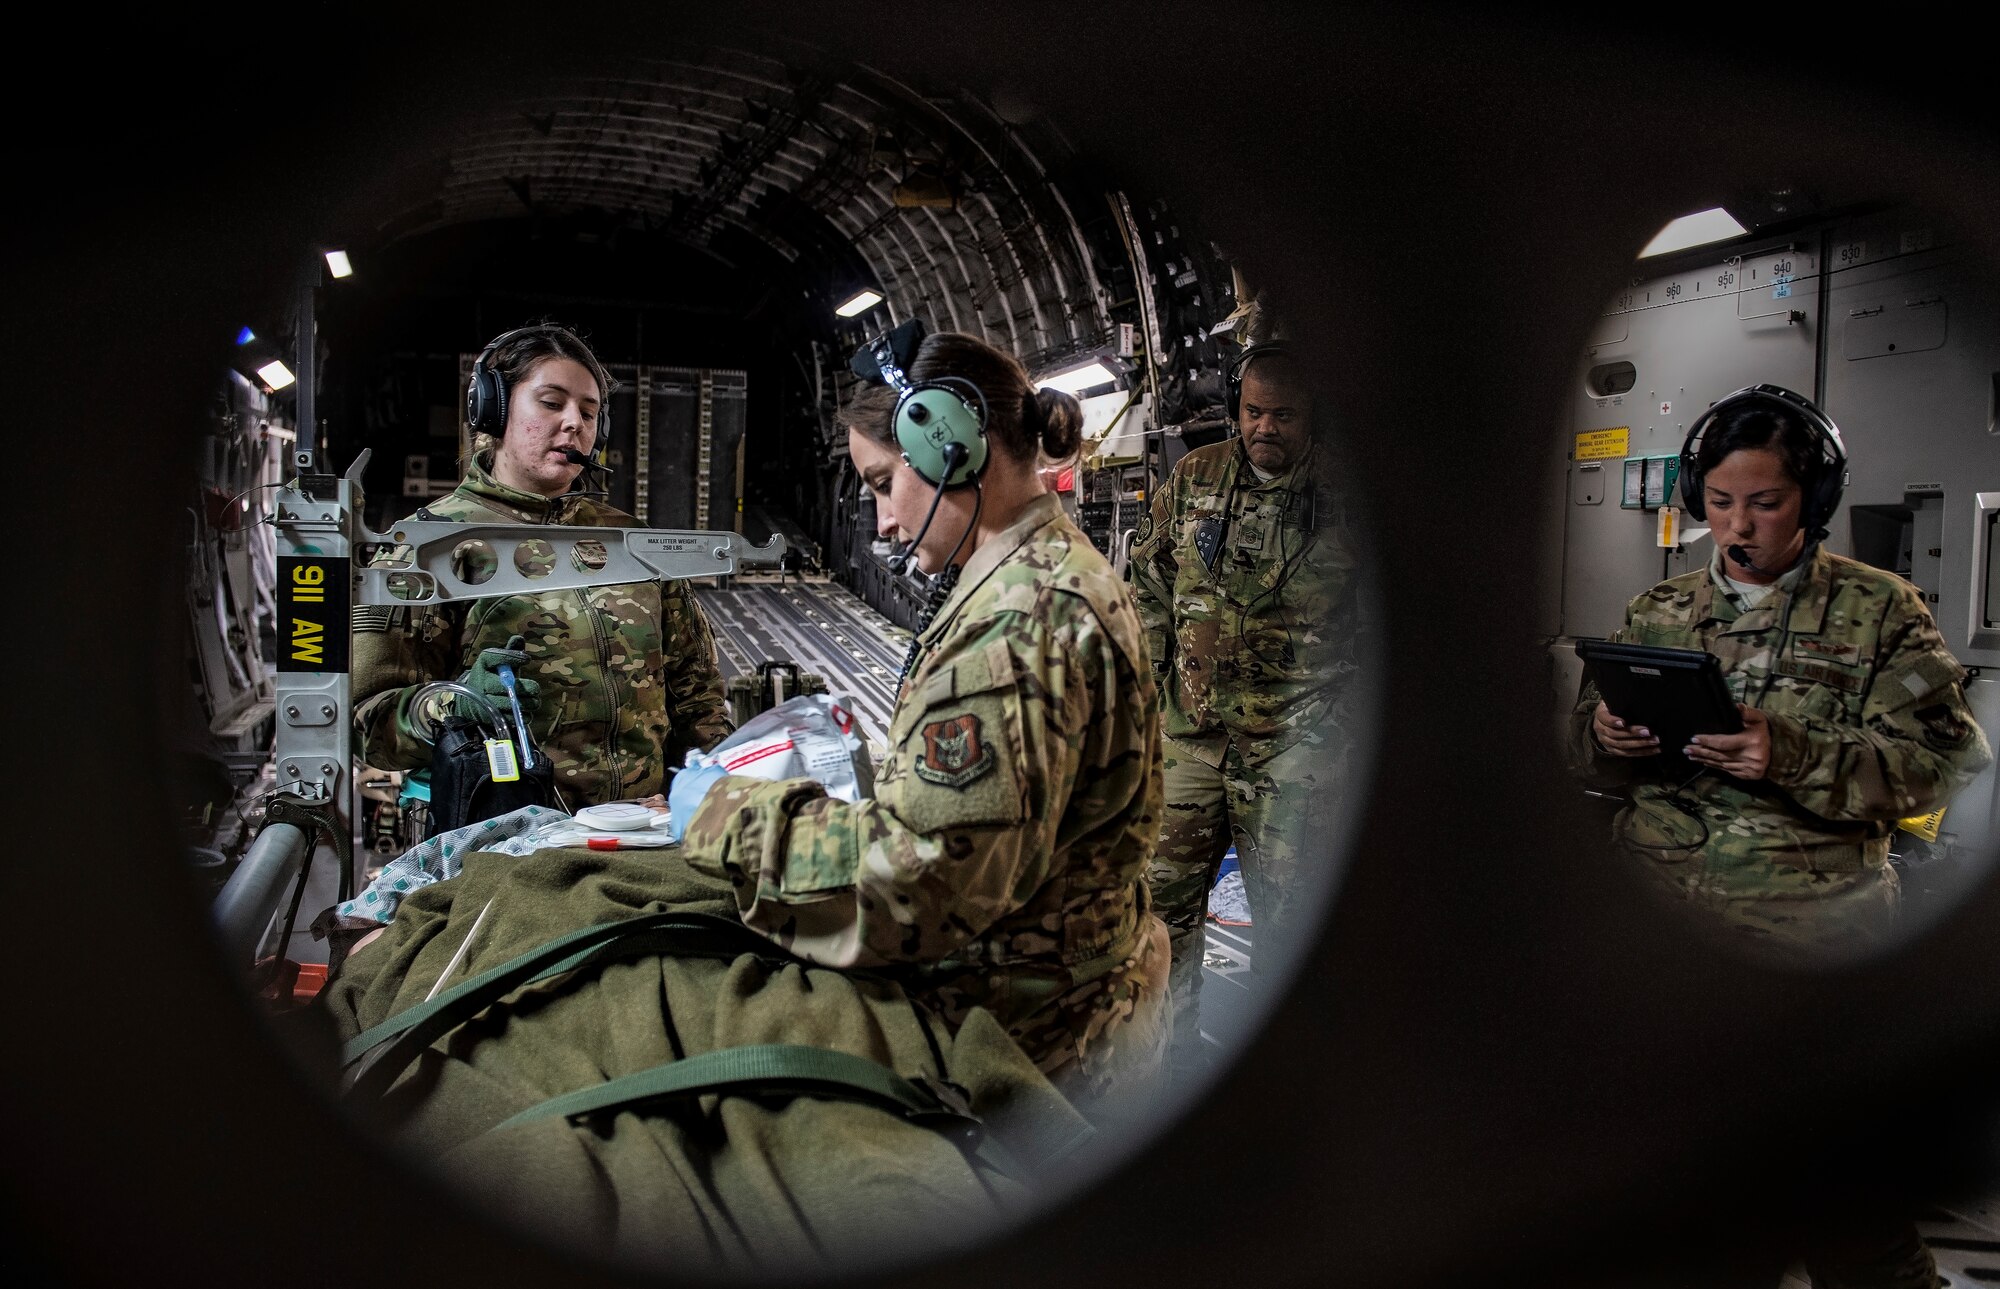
{"points": [[485, 397], [1692, 500], [1232, 387], [1836, 473], [600, 446], [935, 413], [1825, 495]]}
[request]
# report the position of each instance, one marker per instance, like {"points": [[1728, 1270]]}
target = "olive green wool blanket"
{"points": [[747, 1182]]}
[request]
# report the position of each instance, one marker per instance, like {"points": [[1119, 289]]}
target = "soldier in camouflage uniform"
{"points": [[1247, 584], [623, 678], [1854, 711], [1001, 862]]}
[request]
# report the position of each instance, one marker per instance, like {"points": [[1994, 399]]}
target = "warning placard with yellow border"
{"points": [[1601, 445]]}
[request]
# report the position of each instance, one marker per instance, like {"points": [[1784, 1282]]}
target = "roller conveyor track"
{"points": [[819, 625]]}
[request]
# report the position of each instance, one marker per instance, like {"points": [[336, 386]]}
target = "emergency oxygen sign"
{"points": [[312, 613]]}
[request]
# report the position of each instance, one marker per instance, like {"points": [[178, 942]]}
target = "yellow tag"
{"points": [[501, 762], [1602, 445], [1670, 527], [1924, 826]]}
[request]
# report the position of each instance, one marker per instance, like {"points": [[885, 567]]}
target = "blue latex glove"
{"points": [[690, 786]]}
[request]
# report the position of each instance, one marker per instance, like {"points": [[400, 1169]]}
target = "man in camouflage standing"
{"points": [[617, 682], [1246, 580]]}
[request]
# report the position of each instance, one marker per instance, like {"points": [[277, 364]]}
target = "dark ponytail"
{"points": [[1021, 421], [1058, 420]]}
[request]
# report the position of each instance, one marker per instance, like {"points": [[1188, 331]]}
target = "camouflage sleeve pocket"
{"points": [[959, 761], [1926, 675]]}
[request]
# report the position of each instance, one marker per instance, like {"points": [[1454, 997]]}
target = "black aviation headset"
{"points": [[1822, 491], [1232, 381], [486, 392]]}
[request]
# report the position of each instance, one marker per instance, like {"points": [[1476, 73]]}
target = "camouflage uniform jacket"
{"points": [[627, 673], [1261, 646], [1002, 860], [1868, 725]]}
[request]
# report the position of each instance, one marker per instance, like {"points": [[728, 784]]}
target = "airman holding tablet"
{"points": [[1853, 711]]}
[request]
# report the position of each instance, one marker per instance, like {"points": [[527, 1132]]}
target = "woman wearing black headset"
{"points": [[1854, 715], [617, 682], [1001, 863]]}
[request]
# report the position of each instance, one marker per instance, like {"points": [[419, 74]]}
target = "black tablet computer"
{"points": [[1675, 693]]}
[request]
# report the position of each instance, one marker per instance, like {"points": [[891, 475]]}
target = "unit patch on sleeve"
{"points": [[955, 753]]}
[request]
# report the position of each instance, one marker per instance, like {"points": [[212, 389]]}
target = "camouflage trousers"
{"points": [[1868, 1250], [1273, 812], [1847, 906]]}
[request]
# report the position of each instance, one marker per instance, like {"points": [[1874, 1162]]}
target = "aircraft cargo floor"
{"points": [[818, 624]]}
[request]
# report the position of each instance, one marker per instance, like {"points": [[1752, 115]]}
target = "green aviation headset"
{"points": [[940, 424], [941, 427], [486, 392]]}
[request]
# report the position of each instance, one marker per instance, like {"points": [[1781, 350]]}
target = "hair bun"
{"points": [[1059, 417]]}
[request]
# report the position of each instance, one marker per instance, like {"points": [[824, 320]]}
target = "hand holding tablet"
{"points": [[1656, 700]]}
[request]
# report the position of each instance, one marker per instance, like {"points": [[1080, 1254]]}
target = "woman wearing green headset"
{"points": [[1853, 711], [1002, 862]]}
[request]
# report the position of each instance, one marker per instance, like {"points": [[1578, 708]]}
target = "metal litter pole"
{"points": [[247, 903]]}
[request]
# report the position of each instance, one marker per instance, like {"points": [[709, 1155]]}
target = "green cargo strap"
{"points": [[404, 1035], [766, 1067], [789, 1069]]}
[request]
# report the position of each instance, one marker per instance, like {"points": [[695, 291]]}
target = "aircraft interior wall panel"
{"points": [[1689, 348], [1549, 520], [727, 419], [1913, 396], [676, 428], [1552, 519], [1565, 683], [621, 485]]}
